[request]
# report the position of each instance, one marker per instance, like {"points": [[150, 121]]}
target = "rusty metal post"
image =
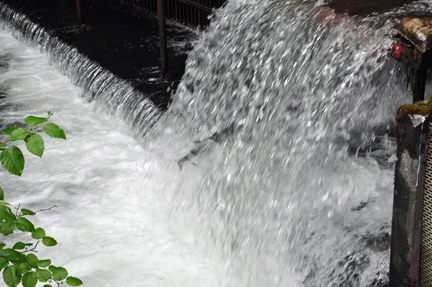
{"points": [[405, 255], [162, 37], [79, 10]]}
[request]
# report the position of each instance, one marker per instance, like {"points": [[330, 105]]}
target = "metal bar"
{"points": [[170, 13], [79, 12], [200, 17], [168, 9], [182, 12], [184, 15], [176, 11], [188, 14], [162, 36], [195, 13]]}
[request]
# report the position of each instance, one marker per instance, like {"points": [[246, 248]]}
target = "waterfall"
{"points": [[289, 119], [273, 166], [115, 95]]}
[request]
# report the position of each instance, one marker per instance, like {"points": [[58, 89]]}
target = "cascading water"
{"points": [[272, 167], [111, 219], [100, 85], [283, 195]]}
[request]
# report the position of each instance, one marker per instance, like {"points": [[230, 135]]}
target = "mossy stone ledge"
{"points": [[407, 112]]}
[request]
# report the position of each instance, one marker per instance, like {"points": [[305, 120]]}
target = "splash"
{"points": [[114, 95], [289, 119], [275, 160]]}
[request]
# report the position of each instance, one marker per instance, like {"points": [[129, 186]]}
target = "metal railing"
{"points": [[426, 223], [190, 12]]}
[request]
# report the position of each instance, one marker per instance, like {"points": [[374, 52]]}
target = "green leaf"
{"points": [[23, 268], [19, 245], [19, 134], [8, 220], [43, 275], [12, 160], [7, 228], [32, 260], [47, 285], [35, 144], [13, 255], [54, 131], [49, 241], [10, 130], [4, 207], [3, 263], [59, 273], [1, 144], [34, 121], [2, 245], [72, 281], [10, 277], [44, 263], [24, 224], [4, 210], [38, 233], [1, 194], [29, 279], [27, 212]]}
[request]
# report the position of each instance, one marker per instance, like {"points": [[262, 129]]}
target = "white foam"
{"points": [[111, 222]]}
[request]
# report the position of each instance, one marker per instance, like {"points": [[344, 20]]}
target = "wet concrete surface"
{"points": [[121, 39]]}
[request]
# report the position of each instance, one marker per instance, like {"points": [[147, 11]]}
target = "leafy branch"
{"points": [[19, 264]]}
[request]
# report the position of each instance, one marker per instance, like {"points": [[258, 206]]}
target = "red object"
{"points": [[399, 51], [331, 18]]}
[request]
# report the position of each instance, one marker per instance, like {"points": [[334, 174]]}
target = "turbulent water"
{"points": [[272, 167], [112, 218], [114, 94]]}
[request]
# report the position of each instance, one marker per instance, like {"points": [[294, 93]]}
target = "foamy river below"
{"points": [[112, 196]]}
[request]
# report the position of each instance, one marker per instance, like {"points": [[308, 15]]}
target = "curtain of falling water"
{"points": [[289, 119]]}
